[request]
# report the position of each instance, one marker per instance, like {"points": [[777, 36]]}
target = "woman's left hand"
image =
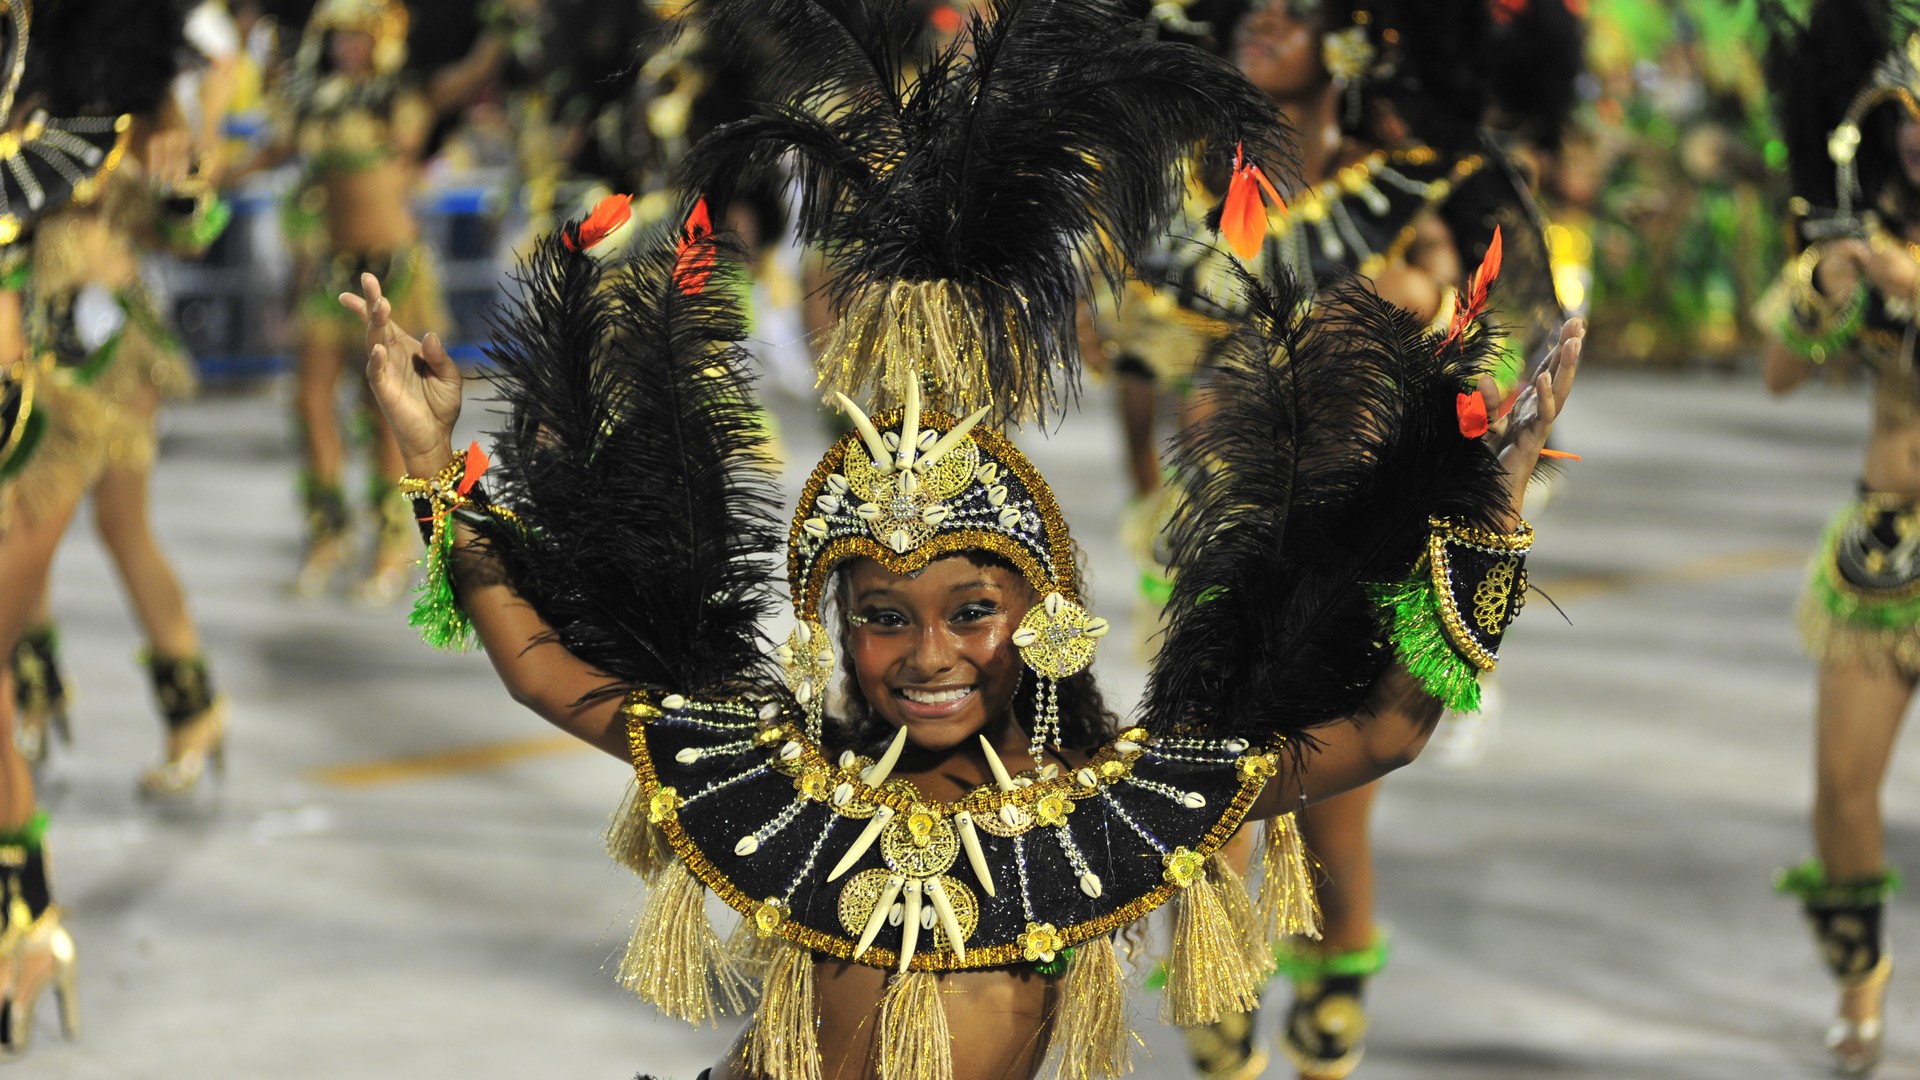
{"points": [[1521, 436]]}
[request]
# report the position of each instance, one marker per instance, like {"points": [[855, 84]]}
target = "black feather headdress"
{"points": [[966, 197], [632, 455], [1335, 441]]}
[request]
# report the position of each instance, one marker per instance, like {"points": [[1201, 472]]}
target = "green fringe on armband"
{"points": [[437, 613], [1808, 881], [196, 232], [1830, 334], [1421, 644], [1305, 961]]}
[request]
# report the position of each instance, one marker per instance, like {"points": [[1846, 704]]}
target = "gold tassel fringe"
{"points": [[53, 473], [675, 961], [784, 1042], [1255, 942], [1091, 1036], [914, 1042], [635, 842], [891, 331], [1289, 905], [1208, 971]]}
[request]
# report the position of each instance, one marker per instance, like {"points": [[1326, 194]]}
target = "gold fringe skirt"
{"points": [[1842, 623], [409, 276], [148, 364], [61, 451]]}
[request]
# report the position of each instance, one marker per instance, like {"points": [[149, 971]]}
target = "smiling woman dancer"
{"points": [[1854, 144], [933, 859]]}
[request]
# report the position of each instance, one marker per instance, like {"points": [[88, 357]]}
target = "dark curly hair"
{"points": [[1085, 721]]}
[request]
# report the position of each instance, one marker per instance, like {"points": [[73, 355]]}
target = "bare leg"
{"points": [[1337, 832], [1138, 403], [121, 513], [394, 543], [1327, 1023], [1859, 716], [26, 556], [324, 448]]}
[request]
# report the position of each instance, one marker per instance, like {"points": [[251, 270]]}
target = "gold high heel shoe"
{"points": [[396, 550], [1856, 1042], [196, 722], [43, 957], [327, 547]]}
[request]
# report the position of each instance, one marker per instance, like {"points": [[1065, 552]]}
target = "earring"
{"points": [[1057, 639]]}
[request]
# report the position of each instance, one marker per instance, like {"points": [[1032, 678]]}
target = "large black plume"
{"points": [[98, 57], [1814, 69], [1044, 147], [633, 455], [1336, 439]]}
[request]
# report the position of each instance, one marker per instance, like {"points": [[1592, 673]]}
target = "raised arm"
{"points": [[418, 387]]}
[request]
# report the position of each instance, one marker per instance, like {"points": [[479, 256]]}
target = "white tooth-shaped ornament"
{"points": [[828, 504], [1193, 800], [815, 527], [881, 911], [1097, 627], [950, 440], [948, 921], [928, 440], [1024, 637], [896, 914], [1087, 778], [997, 494], [784, 656], [1236, 746], [876, 448], [746, 846], [771, 710], [842, 793], [910, 925], [892, 441], [673, 702], [877, 773], [987, 473], [1014, 816], [910, 425], [688, 756], [909, 483], [868, 511], [976, 855], [1090, 884], [999, 768], [927, 916], [836, 484], [862, 842], [1126, 746], [900, 540], [1009, 517], [935, 514], [790, 750], [803, 694], [1054, 602], [847, 759]]}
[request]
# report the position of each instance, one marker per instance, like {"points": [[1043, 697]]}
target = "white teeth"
{"points": [[936, 697]]}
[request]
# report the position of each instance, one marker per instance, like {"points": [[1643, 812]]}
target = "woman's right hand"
{"points": [[416, 383]]}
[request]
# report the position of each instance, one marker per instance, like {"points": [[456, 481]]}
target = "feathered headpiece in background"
{"points": [[962, 219], [1825, 69], [1335, 442], [632, 455]]}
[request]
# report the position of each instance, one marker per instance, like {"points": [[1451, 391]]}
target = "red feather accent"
{"points": [[1472, 409], [1243, 219], [476, 466], [1474, 301], [694, 259], [608, 214]]}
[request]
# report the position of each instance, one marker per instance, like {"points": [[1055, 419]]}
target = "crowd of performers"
{"points": [[1331, 252]]}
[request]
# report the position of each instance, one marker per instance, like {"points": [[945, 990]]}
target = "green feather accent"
{"points": [[1421, 643], [1055, 966], [437, 613], [1809, 882]]}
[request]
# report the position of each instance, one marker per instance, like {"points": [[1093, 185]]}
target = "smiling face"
{"points": [[934, 652], [351, 51]]}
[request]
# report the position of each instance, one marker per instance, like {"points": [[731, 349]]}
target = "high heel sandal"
{"points": [[396, 549], [196, 722], [327, 546], [36, 948], [1325, 1031], [1847, 919], [39, 694]]}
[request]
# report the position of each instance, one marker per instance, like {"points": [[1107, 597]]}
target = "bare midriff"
{"points": [[368, 209]]}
